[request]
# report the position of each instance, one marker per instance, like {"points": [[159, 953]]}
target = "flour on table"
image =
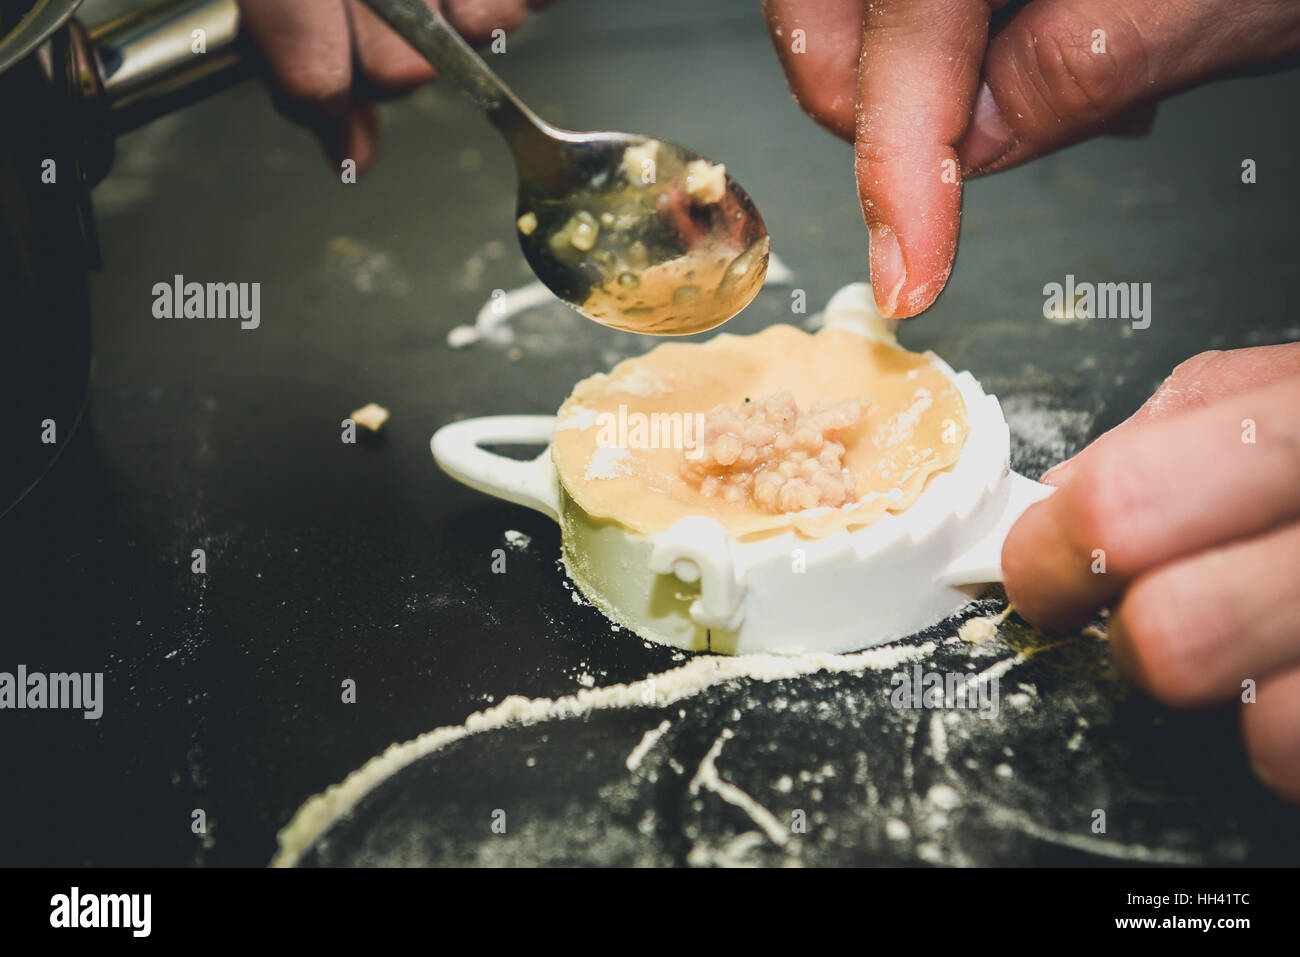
{"points": [[517, 540], [648, 742], [707, 776], [319, 813]]}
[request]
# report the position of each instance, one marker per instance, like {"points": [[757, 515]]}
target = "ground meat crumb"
{"points": [[978, 630], [774, 455]]}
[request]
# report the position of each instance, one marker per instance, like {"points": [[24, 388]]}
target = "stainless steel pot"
{"points": [[66, 92]]}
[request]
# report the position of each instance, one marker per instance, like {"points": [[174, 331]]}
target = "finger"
{"points": [[1191, 632], [360, 136], [476, 19], [817, 42], [1153, 494], [1136, 121], [1062, 70], [917, 77], [1271, 729], [1200, 381], [385, 61], [307, 47]]}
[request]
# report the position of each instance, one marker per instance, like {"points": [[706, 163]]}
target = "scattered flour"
{"points": [[899, 428], [938, 736], [1018, 820], [897, 830], [943, 796], [640, 381], [319, 813], [605, 462], [1050, 434], [577, 417], [490, 325], [647, 744], [707, 776], [930, 853], [733, 854], [517, 540]]}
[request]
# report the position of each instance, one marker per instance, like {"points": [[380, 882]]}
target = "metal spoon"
{"points": [[635, 233]]}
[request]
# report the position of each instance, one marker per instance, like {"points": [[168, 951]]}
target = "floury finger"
{"points": [[1153, 494]]}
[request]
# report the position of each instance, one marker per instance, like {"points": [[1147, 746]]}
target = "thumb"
{"points": [[1063, 70], [1202, 380]]}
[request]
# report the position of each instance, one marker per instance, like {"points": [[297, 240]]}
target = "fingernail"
{"points": [[989, 138], [887, 270], [1259, 772], [357, 137], [1057, 473]]}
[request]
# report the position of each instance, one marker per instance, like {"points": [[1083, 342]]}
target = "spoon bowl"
{"points": [[635, 233], [640, 234]]}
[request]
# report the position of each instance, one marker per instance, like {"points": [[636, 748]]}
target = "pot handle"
{"points": [[982, 562], [457, 450], [160, 57]]}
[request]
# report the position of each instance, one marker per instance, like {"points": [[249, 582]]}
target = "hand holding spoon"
{"points": [[632, 232]]}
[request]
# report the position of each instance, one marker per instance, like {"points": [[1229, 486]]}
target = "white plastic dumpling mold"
{"points": [[696, 587]]}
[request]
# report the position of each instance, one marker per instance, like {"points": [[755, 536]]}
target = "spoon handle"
{"points": [[429, 33]]}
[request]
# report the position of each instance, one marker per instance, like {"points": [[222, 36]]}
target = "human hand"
{"points": [[930, 97], [1187, 516], [330, 60]]}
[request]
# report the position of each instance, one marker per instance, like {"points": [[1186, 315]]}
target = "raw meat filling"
{"points": [[774, 455]]}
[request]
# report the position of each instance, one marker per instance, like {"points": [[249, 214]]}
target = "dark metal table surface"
{"points": [[328, 561]]}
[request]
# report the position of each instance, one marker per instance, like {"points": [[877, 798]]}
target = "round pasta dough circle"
{"points": [[619, 440]]}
